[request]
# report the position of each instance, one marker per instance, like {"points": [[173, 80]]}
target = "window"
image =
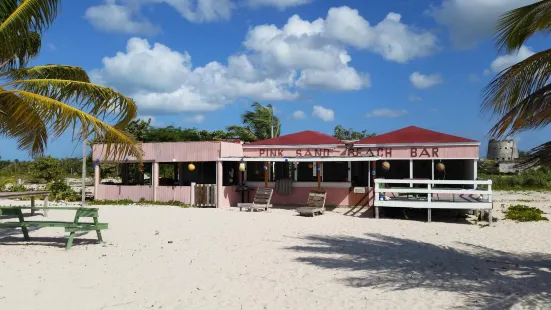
{"points": [[282, 170], [335, 171], [306, 172], [130, 174], [230, 170], [255, 171]]}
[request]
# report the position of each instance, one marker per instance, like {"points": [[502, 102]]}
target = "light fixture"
{"points": [[386, 165], [191, 167], [440, 167], [310, 165], [265, 168], [242, 166]]}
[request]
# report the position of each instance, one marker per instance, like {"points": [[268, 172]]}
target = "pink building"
{"points": [[292, 165]]}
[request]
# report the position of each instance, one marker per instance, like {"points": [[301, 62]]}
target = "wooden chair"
{"points": [[315, 204], [262, 199]]}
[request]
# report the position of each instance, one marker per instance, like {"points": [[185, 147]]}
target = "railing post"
{"points": [[192, 194], [429, 194]]}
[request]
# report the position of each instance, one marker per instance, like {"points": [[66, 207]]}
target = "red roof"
{"points": [[413, 134], [306, 137]]}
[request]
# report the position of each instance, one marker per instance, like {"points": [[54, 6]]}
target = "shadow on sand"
{"points": [[490, 279]]}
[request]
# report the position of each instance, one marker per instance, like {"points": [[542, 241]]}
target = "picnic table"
{"points": [[71, 227]]}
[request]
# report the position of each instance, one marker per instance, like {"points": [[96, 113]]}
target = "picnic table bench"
{"points": [[70, 227]]}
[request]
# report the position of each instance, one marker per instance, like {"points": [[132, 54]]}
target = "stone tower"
{"points": [[502, 150]]}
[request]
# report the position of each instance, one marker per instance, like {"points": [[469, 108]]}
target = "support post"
{"points": [[192, 194], [475, 173], [45, 206], [318, 173], [411, 171], [155, 179], [349, 171], [219, 183], [266, 173], [32, 205], [83, 188], [372, 175], [97, 179], [376, 212], [429, 215]]}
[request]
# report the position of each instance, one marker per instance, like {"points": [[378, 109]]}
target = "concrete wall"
{"points": [[505, 150]]}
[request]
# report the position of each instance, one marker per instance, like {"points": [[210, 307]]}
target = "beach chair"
{"points": [[262, 199], [315, 204]]}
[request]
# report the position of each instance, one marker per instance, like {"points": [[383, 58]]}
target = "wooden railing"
{"points": [[205, 195]]}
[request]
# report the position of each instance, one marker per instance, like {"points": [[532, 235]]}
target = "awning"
{"points": [[300, 159]]}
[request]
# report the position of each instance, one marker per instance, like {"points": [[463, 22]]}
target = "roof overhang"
{"points": [[301, 159]]}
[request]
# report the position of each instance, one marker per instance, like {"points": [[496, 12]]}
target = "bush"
{"points": [[17, 188], [532, 179], [61, 191], [522, 213]]}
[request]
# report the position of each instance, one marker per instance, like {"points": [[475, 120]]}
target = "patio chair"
{"points": [[315, 204], [262, 199]]}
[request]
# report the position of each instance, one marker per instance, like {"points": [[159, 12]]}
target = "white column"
{"points": [[97, 178], [411, 171], [475, 172], [432, 170], [219, 183], [155, 179]]}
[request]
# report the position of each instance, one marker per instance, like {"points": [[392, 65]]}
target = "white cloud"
{"points": [[298, 115], [422, 81], [474, 78], [197, 119], [326, 115], [280, 4], [386, 113], [415, 98], [277, 64], [391, 38], [470, 21], [505, 61], [118, 18], [200, 10]]}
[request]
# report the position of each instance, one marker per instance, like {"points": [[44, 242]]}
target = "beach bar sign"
{"points": [[386, 152]]}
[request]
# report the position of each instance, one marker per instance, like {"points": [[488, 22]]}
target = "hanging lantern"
{"points": [[265, 168], [319, 169], [242, 166], [386, 165], [440, 167], [310, 165], [191, 167]]}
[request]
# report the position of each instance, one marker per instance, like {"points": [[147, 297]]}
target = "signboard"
{"points": [[386, 152], [359, 190]]}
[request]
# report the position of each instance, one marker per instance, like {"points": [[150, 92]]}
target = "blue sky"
{"points": [[375, 65]]}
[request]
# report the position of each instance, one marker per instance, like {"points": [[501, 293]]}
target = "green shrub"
{"points": [[18, 188], [61, 191], [522, 213], [125, 202]]}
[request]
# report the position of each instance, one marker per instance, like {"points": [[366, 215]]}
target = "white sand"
{"points": [[225, 259]]}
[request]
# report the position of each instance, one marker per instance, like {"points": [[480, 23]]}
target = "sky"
{"points": [[375, 65]]}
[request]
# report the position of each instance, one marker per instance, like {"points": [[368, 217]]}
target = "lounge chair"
{"points": [[262, 199], [315, 204]]}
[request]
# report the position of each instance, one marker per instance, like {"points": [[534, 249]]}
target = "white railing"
{"points": [[467, 199]]}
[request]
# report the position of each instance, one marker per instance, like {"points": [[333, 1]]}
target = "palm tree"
{"points": [[40, 102], [258, 124], [521, 94]]}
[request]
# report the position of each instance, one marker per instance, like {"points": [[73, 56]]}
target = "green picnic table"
{"points": [[70, 227]]}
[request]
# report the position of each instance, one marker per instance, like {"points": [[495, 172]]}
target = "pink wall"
{"points": [[180, 151], [443, 152], [178, 193], [299, 196], [119, 192]]}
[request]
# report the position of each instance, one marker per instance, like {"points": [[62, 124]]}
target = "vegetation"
{"points": [[42, 102], [142, 201], [531, 179], [522, 213], [61, 191], [350, 134], [519, 95], [144, 132], [46, 168], [258, 124]]}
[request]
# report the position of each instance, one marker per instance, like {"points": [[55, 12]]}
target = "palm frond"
{"points": [[58, 117], [20, 18], [243, 133], [23, 123], [519, 96], [26, 49], [60, 72], [516, 26], [97, 100], [540, 155]]}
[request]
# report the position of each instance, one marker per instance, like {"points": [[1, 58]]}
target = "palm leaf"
{"points": [[27, 49], [516, 26], [59, 117], [21, 18], [243, 133], [96, 100], [519, 96], [48, 72]]}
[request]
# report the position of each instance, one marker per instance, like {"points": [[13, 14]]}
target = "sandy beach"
{"points": [[172, 258]]}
